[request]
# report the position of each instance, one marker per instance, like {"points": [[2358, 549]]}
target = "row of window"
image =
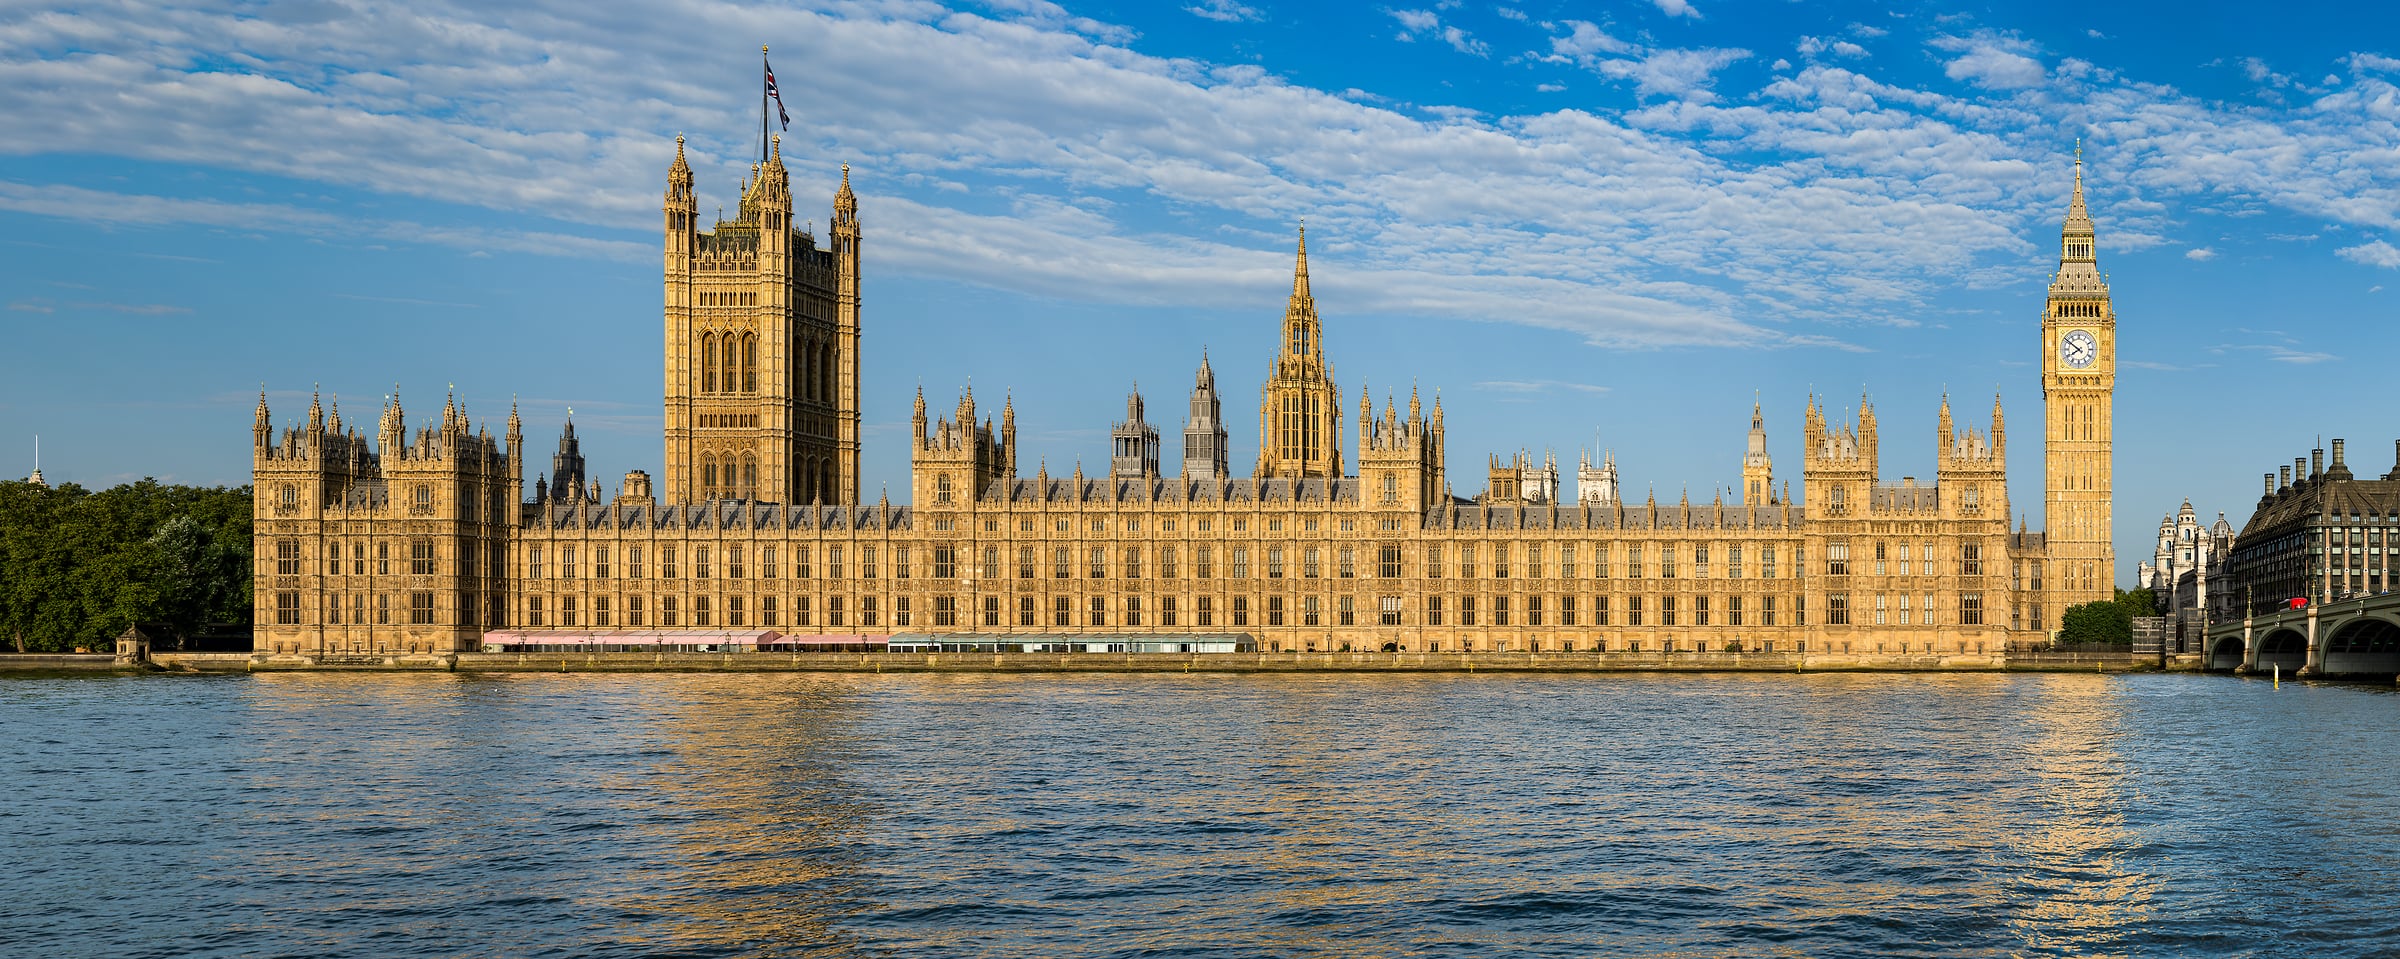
{"points": [[863, 611], [422, 559], [1098, 562], [1888, 612], [378, 610], [1893, 559]]}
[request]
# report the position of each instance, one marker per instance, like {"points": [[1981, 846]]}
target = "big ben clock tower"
{"points": [[2079, 380]]}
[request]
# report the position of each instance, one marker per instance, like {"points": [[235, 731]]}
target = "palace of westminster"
{"points": [[422, 540]]}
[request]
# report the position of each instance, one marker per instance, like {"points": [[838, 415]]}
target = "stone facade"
{"points": [[1306, 554]]}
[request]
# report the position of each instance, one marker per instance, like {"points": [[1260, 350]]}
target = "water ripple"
{"points": [[1311, 815]]}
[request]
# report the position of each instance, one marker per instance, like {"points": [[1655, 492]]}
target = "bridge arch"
{"points": [[2284, 647], [2226, 654], [2364, 645]]}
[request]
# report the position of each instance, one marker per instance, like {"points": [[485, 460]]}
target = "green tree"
{"points": [[2139, 602], [2103, 621], [77, 567]]}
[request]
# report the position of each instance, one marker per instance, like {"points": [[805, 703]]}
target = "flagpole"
{"points": [[762, 103]]}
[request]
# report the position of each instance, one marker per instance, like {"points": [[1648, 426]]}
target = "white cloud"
{"points": [[1677, 8], [1511, 13], [1225, 11], [2378, 253], [1427, 23], [1584, 39], [1674, 73], [1992, 61], [1682, 73], [2200, 254], [1460, 41], [1031, 152], [2363, 62], [1549, 87], [1812, 46]]}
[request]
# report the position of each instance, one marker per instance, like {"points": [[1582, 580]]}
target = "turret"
{"points": [[1205, 441], [1758, 469], [1008, 433], [680, 211], [1133, 444], [262, 428], [566, 466]]}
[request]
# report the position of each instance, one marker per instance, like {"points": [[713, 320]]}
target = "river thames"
{"points": [[1170, 815]]}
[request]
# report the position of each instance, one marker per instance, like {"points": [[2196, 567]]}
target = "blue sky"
{"points": [[1587, 225]]}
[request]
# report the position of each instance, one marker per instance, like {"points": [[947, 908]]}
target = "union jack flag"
{"points": [[772, 92]]}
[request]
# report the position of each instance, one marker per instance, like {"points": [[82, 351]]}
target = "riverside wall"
{"points": [[1578, 662]]}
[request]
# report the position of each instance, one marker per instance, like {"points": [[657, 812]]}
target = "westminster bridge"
{"points": [[2358, 636]]}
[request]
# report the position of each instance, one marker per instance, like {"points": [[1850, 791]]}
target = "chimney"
{"points": [[2316, 463], [2339, 472], [2286, 484], [2270, 482], [2299, 471]]}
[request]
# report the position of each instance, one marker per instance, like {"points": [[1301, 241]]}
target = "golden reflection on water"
{"points": [[753, 797], [2073, 856]]}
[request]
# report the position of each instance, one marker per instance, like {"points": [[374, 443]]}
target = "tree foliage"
{"points": [[2100, 622], [77, 567], [2139, 602], [2107, 621]]}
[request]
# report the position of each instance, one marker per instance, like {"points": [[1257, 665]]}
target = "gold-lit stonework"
{"points": [[423, 542]]}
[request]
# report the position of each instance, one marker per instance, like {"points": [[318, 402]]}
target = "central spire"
{"points": [[1299, 411], [1300, 268], [1300, 330]]}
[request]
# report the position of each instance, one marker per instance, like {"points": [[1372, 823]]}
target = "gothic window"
{"points": [[287, 557], [941, 488], [750, 364], [424, 496], [290, 496], [725, 371], [826, 358], [749, 476], [708, 363]]}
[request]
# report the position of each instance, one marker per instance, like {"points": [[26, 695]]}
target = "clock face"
{"points": [[2077, 349]]}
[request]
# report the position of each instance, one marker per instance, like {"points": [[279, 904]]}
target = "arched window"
{"points": [[941, 488], [829, 378], [733, 361], [708, 363], [808, 369], [750, 364], [749, 476], [708, 475]]}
